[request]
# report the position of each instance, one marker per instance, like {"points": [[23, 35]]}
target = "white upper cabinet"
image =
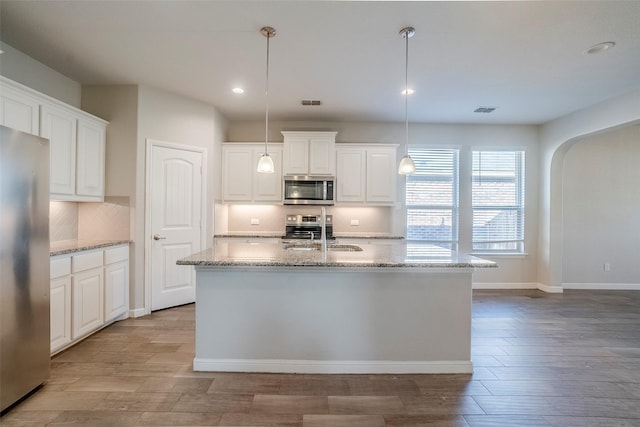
{"points": [[59, 127], [19, 110], [241, 182], [309, 153], [366, 174], [90, 150], [76, 140], [381, 175], [350, 175]]}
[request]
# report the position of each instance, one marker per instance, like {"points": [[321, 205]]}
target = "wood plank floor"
{"points": [[540, 360]]}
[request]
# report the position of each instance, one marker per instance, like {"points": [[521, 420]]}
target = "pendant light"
{"points": [[265, 164], [406, 167]]}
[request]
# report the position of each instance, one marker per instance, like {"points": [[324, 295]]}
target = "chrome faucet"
{"points": [[323, 223]]}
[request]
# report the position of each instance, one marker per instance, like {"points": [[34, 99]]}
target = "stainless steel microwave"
{"points": [[308, 190]]}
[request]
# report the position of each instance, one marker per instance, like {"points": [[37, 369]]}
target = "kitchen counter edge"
{"points": [[66, 247]]}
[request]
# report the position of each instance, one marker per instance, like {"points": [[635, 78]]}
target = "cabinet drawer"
{"points": [[112, 255], [60, 267], [86, 261]]}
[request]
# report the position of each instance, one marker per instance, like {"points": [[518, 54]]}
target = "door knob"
{"points": [[158, 237]]}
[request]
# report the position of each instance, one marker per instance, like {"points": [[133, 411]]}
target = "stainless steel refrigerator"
{"points": [[24, 264]]}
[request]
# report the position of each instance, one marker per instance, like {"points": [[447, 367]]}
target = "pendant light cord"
{"points": [[406, 93], [266, 121]]}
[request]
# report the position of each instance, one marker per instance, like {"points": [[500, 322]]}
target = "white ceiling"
{"points": [[526, 58]]}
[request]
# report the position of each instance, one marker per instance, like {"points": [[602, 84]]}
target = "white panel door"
{"points": [[59, 126], [90, 161], [176, 222]]}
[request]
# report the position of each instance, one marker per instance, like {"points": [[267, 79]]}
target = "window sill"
{"points": [[500, 254]]}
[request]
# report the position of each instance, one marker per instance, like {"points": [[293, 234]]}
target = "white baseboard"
{"points": [[603, 286], [505, 285], [138, 312], [333, 366], [552, 289]]}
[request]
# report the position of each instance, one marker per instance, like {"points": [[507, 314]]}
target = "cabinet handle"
{"points": [[158, 237]]}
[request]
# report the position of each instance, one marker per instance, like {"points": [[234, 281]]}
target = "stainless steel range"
{"points": [[307, 227]]}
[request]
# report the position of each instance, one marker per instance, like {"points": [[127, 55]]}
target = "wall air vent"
{"points": [[310, 102], [485, 109]]}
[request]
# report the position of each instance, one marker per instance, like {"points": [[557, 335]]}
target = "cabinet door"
{"points": [[19, 111], [322, 156], [267, 187], [381, 175], [90, 159], [350, 175], [87, 300], [296, 156], [237, 165], [59, 126], [116, 289], [60, 312]]}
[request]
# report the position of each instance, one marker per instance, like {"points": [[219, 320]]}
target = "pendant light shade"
{"points": [[406, 167], [265, 164]]}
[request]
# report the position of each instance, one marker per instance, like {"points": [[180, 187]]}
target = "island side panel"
{"points": [[321, 320]]}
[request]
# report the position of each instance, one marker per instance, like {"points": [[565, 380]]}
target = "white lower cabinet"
{"points": [[88, 312], [116, 282], [88, 290], [60, 312]]}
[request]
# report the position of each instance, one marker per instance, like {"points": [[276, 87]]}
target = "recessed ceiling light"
{"points": [[407, 91], [600, 47], [1, 52], [237, 90]]}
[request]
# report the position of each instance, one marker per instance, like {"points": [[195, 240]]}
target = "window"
{"points": [[432, 197], [498, 201]]}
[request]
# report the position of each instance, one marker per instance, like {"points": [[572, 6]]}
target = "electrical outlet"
{"points": [[255, 221], [607, 266], [355, 222]]}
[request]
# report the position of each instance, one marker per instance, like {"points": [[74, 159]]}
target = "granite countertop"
{"points": [[384, 254], [71, 246]]}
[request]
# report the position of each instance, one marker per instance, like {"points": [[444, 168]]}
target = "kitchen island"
{"points": [[391, 307]]}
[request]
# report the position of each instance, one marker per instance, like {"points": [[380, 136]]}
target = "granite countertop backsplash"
{"points": [[64, 247]]}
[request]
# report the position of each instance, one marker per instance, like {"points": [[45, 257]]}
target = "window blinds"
{"points": [[432, 197], [498, 201]]}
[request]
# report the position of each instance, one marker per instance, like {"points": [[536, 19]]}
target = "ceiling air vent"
{"points": [[485, 109], [311, 102]]}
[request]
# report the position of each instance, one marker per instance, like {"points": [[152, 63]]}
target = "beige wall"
{"points": [[21, 68], [138, 113], [601, 210], [556, 138]]}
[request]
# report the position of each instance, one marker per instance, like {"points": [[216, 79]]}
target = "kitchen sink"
{"points": [[318, 246]]}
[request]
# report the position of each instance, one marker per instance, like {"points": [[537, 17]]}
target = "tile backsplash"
{"points": [[90, 221], [63, 221]]}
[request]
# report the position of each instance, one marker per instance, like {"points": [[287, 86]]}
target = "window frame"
{"points": [[520, 205], [454, 207]]}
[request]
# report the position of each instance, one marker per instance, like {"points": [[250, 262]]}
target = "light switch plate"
{"points": [[255, 221], [355, 222]]}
